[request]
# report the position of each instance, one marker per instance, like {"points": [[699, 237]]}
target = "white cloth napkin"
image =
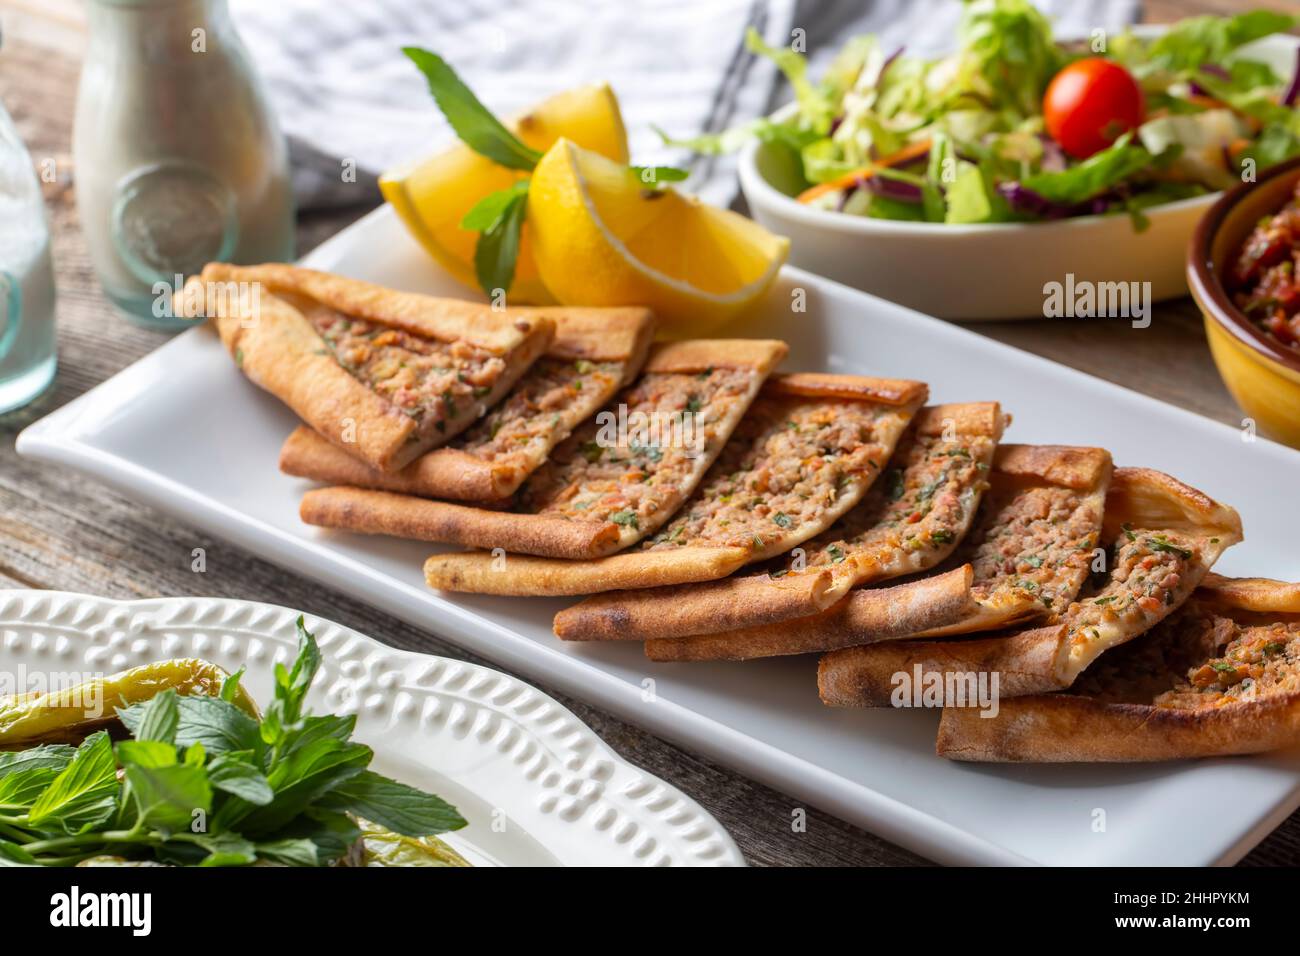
{"points": [[346, 96]]}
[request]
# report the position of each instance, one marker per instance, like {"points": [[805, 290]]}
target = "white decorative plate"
{"points": [[183, 431], [537, 786]]}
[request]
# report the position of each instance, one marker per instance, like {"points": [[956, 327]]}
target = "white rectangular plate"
{"points": [[181, 430]]}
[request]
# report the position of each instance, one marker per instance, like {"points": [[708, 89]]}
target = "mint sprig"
{"points": [[203, 782], [472, 121], [499, 219]]}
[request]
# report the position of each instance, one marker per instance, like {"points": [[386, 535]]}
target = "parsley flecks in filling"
{"points": [[1035, 539], [1197, 660], [1147, 575], [641, 469], [425, 378], [913, 509], [545, 399], [789, 460]]}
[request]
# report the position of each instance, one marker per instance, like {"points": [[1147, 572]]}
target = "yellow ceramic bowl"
{"points": [[1262, 374]]}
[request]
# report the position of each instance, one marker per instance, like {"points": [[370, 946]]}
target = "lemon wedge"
{"points": [[602, 237], [432, 195]]}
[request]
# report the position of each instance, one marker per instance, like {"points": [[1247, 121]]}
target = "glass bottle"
{"points": [[179, 160], [27, 352]]}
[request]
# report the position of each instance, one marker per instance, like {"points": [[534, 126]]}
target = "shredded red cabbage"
{"points": [[1293, 88]]}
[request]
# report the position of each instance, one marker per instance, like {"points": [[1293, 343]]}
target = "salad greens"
{"points": [[202, 781], [964, 138]]}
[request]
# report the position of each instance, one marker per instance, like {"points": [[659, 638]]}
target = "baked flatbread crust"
{"points": [[262, 315], [594, 353], [909, 521], [1165, 535], [1043, 508], [1219, 677], [595, 495], [810, 445]]}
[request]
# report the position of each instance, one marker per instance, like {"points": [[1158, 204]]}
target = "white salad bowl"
{"points": [[989, 271]]}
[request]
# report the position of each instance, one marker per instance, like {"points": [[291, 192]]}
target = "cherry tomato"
{"points": [[1090, 104]]}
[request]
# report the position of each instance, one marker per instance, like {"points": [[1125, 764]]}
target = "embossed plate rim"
{"points": [[572, 793]]}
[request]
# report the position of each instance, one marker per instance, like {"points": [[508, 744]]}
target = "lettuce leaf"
{"points": [[1007, 53], [1209, 39], [1097, 174]]}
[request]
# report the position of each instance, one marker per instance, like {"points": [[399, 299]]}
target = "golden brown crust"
{"points": [[380, 512], [1062, 728], [524, 576], [1264, 595], [886, 391], [500, 330], [441, 473], [1145, 498], [699, 355], [864, 676], [728, 604], [883, 613], [973, 419], [280, 352], [601, 335], [1080, 468]]}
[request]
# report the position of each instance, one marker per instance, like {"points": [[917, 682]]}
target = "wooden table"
{"points": [[61, 531]]}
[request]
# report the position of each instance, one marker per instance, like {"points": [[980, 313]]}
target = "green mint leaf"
{"points": [[226, 849], [331, 833], [146, 753], [231, 774], [310, 729], [498, 247], [298, 851], [158, 719], [216, 724], [487, 213], [195, 755], [21, 789], [298, 780], [85, 791], [45, 757], [400, 808], [230, 686], [472, 122], [167, 797], [655, 175], [292, 684], [11, 854]]}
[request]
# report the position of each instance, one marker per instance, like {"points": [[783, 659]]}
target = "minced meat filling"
{"points": [[1036, 541], [920, 503], [637, 476], [1196, 659], [430, 380], [789, 460], [1255, 662], [1148, 573], [554, 395]]}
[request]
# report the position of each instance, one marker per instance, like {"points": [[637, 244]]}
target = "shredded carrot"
{"points": [[909, 152], [1207, 102], [1237, 147]]}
